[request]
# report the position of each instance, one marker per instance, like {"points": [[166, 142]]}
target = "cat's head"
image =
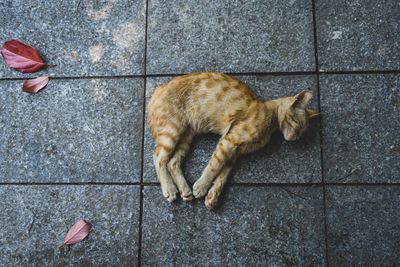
{"points": [[293, 115]]}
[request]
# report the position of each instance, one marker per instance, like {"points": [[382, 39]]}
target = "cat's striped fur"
{"points": [[215, 102]]}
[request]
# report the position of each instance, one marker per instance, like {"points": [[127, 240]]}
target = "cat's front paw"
{"points": [[199, 189], [211, 199], [186, 195]]}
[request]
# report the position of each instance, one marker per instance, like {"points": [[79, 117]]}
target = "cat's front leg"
{"points": [[225, 151]]}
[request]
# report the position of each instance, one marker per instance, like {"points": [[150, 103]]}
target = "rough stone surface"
{"points": [[363, 225], [360, 125], [358, 35], [35, 220], [230, 36], [84, 38], [268, 226], [86, 126], [85, 130], [280, 161]]}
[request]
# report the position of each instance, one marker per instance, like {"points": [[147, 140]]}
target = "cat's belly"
{"points": [[206, 126]]}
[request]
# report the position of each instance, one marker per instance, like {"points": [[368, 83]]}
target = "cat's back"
{"points": [[205, 100]]}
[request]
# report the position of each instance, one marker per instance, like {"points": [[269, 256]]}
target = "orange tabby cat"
{"points": [[215, 102]]}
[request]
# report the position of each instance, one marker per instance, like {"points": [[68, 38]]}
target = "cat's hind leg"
{"points": [[174, 165], [165, 146]]}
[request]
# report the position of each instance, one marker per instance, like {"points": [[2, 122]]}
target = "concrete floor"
{"points": [[81, 149]]}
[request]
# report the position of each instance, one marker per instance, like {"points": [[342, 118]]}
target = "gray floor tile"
{"points": [[360, 115], [230, 36], [358, 35], [84, 38], [280, 161], [363, 225], [86, 130], [253, 225], [34, 219]]}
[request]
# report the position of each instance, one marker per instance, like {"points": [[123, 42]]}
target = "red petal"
{"points": [[77, 232], [21, 57], [32, 86]]}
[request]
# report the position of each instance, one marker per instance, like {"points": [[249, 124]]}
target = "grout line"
{"points": [[320, 132], [310, 184], [140, 227], [362, 184], [271, 73], [325, 225], [72, 183], [273, 184], [359, 72], [229, 184], [229, 73], [143, 132]]}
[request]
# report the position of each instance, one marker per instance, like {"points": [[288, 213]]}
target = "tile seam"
{"points": [[361, 72], [139, 258], [229, 184], [320, 131]]}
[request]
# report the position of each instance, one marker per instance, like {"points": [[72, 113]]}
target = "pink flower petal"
{"points": [[77, 232], [32, 86]]}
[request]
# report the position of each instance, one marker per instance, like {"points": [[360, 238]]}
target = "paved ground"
{"points": [[81, 149]]}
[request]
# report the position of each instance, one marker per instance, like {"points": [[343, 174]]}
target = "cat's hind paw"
{"points": [[170, 193]]}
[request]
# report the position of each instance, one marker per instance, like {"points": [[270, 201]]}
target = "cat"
{"points": [[214, 102]]}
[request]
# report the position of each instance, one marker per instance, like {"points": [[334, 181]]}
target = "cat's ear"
{"points": [[300, 100], [312, 113]]}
